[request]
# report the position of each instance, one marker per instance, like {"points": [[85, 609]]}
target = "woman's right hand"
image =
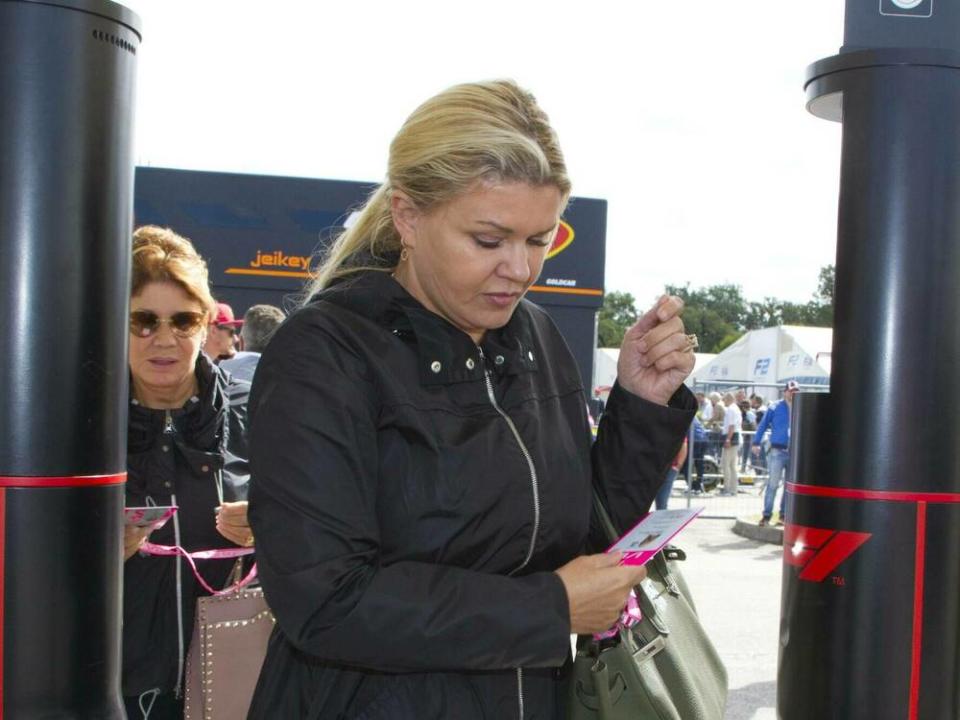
{"points": [[133, 538], [597, 588]]}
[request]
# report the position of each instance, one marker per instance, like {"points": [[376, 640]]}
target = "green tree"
{"points": [[765, 313], [821, 309], [818, 312], [825, 285], [795, 313], [713, 313], [618, 313], [728, 302], [727, 340], [719, 314]]}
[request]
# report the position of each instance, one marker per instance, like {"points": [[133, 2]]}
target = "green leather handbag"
{"points": [[662, 668]]}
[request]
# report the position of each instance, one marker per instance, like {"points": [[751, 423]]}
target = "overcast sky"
{"points": [[687, 116]]}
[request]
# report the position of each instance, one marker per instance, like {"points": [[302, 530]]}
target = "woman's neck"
{"points": [[404, 278], [165, 398]]}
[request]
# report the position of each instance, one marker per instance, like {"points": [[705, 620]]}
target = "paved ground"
{"points": [[736, 585]]}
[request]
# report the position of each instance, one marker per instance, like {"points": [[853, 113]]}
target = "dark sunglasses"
{"points": [[144, 323]]}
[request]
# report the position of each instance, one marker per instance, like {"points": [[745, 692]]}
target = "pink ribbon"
{"points": [[219, 554], [630, 616]]}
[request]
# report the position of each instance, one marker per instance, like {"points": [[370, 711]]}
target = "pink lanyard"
{"points": [[630, 616], [220, 554]]}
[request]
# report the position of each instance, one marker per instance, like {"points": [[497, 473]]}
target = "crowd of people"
{"points": [[412, 462], [748, 435]]}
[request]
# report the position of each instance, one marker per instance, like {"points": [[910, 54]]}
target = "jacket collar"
{"points": [[445, 353], [200, 419]]}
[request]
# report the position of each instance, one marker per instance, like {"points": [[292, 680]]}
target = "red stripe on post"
{"points": [[917, 643], [65, 481], [883, 495], [3, 572]]}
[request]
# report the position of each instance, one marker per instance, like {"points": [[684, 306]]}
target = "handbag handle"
{"points": [[606, 695]]}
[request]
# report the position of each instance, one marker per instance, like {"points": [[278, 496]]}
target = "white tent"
{"points": [[770, 357], [605, 365]]}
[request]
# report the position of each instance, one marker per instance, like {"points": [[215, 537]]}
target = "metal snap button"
{"points": [[165, 448], [205, 468], [470, 364], [436, 366], [499, 360]]}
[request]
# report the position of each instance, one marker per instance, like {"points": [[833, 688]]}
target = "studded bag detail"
{"points": [[229, 642]]}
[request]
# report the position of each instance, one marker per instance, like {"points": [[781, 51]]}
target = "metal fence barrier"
{"points": [[747, 503]]}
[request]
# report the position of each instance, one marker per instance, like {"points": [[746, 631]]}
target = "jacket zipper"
{"points": [[520, 690], [170, 429], [526, 454], [536, 495]]}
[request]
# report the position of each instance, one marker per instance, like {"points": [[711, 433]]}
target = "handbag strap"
{"points": [[605, 521], [219, 554]]}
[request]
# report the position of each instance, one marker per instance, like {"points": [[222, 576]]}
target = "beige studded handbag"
{"points": [[229, 642]]}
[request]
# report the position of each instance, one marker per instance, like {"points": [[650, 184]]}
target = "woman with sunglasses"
{"points": [[186, 447]]}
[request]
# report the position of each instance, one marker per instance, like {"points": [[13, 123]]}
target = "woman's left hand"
{"points": [[232, 523], [656, 355]]}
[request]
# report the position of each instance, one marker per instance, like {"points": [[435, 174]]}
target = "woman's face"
{"points": [[473, 258], [164, 360]]}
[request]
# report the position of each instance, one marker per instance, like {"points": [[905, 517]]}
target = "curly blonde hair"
{"points": [[160, 255]]}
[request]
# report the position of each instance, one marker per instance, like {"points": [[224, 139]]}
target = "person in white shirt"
{"points": [[732, 421]]}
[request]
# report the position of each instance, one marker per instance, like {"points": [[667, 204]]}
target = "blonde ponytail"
{"points": [[488, 130]]}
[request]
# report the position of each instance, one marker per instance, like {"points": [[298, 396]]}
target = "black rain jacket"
{"points": [[412, 495], [179, 457]]}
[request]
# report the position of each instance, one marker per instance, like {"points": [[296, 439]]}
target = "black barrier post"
{"points": [[66, 186], [870, 617]]}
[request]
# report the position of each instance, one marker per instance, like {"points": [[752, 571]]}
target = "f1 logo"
{"points": [[907, 8], [819, 551]]}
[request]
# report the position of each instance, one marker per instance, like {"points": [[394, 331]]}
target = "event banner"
{"points": [[261, 235]]}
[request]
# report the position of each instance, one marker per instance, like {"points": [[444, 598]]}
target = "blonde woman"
{"points": [[420, 447]]}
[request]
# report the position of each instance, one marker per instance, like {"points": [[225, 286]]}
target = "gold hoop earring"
{"points": [[404, 253]]}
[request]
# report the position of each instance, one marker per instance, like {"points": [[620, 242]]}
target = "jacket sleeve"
{"points": [[235, 462], [636, 443], [314, 511]]}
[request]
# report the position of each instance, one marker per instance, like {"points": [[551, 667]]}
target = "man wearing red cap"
{"points": [[222, 334]]}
